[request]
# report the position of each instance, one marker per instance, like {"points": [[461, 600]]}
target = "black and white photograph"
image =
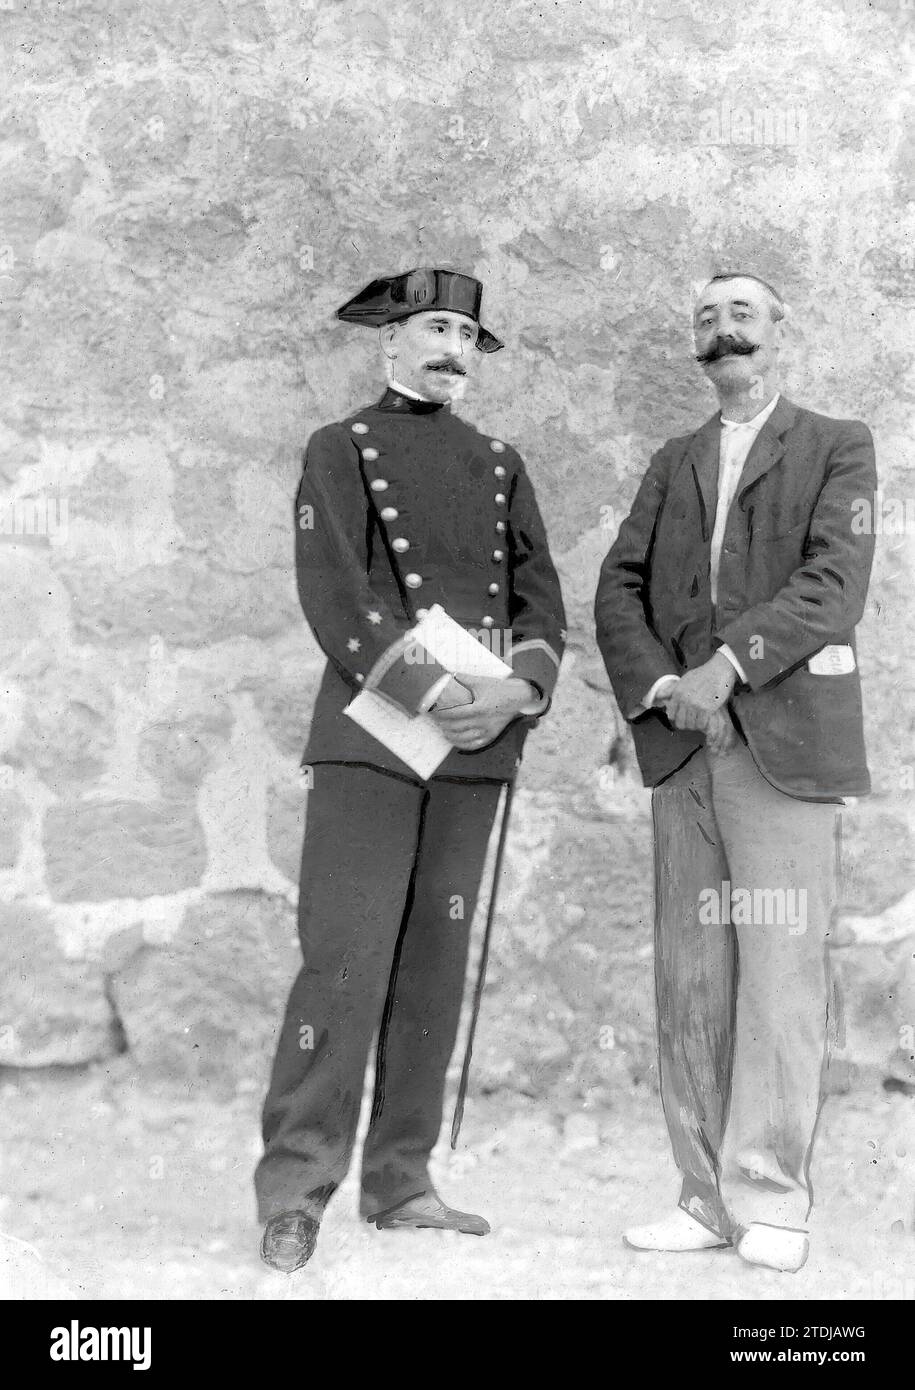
{"points": [[457, 552]]}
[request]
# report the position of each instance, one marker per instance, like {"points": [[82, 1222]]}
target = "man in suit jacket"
{"points": [[726, 613], [402, 505]]}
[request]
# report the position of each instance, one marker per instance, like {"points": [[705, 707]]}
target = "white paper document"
{"points": [[418, 742], [417, 739], [458, 650]]}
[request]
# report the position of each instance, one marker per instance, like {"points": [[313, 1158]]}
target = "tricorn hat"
{"points": [[419, 291]]}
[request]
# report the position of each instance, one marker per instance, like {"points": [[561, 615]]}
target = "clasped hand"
{"points": [[473, 710], [699, 701]]}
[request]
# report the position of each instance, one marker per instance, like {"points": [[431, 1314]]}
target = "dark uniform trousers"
{"points": [[391, 872]]}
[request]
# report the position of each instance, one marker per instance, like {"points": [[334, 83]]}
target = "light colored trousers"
{"points": [[745, 886]]}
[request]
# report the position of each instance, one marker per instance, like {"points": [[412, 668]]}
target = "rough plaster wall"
{"points": [[188, 193]]}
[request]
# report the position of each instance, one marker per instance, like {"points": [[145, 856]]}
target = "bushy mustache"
{"points": [[725, 346], [446, 364]]}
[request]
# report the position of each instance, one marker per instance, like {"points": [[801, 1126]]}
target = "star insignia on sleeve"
{"points": [[353, 644], [374, 616]]}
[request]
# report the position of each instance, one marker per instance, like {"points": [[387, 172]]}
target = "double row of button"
{"points": [[401, 545]]}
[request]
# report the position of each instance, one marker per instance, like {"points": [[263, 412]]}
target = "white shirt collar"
{"points": [[405, 391], [758, 420]]}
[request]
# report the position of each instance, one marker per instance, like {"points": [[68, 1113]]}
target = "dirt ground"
{"points": [[130, 1191]]}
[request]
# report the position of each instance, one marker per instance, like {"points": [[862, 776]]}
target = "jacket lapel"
{"points": [[702, 457], [702, 460], [768, 446]]}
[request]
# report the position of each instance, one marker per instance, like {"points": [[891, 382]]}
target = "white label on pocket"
{"points": [[832, 661]]}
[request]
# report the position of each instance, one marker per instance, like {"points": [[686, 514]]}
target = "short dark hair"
{"points": [[776, 305]]}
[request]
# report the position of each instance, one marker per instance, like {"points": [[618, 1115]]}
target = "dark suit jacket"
{"points": [[403, 505], [792, 579]]}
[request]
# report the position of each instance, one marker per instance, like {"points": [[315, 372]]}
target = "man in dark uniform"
{"points": [[402, 505]]}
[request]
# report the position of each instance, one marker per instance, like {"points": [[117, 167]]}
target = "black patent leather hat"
{"points": [[419, 291]]}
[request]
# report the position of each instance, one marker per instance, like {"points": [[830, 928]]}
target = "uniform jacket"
{"points": [[403, 505], [792, 580]]}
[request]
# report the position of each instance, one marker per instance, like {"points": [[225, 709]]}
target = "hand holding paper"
{"points": [[497, 695], [496, 702], [424, 741]]}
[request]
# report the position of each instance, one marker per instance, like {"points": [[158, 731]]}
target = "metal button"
{"points": [[401, 545], [493, 588], [497, 446], [500, 527], [359, 428], [379, 484], [500, 499], [389, 513], [413, 581], [487, 621], [498, 555], [370, 455], [499, 471]]}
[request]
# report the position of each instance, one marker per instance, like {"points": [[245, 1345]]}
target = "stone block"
{"points": [[205, 1009], [122, 849], [53, 1011]]}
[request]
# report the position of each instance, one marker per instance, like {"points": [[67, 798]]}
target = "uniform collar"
{"points": [[406, 391], [399, 403]]}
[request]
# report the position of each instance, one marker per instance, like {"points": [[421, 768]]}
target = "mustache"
{"points": [[723, 346], [446, 364]]}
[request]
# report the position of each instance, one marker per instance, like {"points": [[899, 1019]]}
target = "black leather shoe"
{"points": [[289, 1240], [425, 1211]]}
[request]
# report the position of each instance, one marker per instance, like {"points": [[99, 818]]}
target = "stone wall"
{"points": [[188, 193]]}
